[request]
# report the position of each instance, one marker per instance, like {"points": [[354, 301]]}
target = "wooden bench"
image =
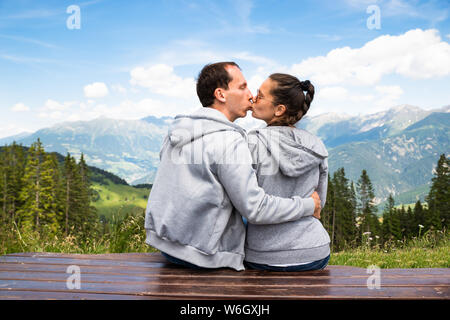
{"points": [[150, 276]]}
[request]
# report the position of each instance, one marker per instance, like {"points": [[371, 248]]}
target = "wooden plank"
{"points": [[123, 276], [153, 257], [218, 279], [180, 280], [157, 257], [81, 262], [34, 295], [331, 271], [226, 292]]}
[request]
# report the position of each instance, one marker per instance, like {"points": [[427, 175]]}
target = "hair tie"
{"points": [[305, 85]]}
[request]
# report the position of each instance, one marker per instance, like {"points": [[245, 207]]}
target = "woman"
{"points": [[289, 161]]}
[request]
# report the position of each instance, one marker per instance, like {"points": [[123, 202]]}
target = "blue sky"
{"points": [[130, 59]]}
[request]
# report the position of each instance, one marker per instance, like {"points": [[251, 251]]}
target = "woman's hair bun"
{"points": [[305, 85]]}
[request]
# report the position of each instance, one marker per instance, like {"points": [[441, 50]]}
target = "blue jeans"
{"points": [[316, 265], [181, 262]]}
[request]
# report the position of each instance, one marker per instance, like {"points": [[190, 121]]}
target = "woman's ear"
{"points": [[280, 110], [219, 95]]}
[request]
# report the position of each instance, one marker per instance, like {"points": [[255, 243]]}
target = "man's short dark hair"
{"points": [[211, 77]]}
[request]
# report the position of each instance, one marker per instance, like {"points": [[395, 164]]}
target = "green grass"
{"points": [[118, 200], [430, 251], [402, 258], [123, 235]]}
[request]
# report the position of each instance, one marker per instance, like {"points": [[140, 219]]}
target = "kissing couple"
{"points": [[223, 197]]}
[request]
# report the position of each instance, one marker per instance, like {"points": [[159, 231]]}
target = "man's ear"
{"points": [[219, 95], [280, 110]]}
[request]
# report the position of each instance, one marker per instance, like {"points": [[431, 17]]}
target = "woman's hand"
{"points": [[317, 207]]}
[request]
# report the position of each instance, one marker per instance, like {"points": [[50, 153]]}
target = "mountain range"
{"points": [[398, 147]]}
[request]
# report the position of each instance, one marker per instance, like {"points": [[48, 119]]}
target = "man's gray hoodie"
{"points": [[205, 171], [289, 161]]}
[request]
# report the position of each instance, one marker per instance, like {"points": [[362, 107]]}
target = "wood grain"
{"points": [[150, 276]]}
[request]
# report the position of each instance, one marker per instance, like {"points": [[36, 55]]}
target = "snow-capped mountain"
{"points": [[336, 129]]}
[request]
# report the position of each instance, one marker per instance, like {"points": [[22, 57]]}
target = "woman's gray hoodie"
{"points": [[289, 161], [205, 171]]}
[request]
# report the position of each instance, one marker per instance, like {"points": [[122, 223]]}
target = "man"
{"points": [[205, 172]]}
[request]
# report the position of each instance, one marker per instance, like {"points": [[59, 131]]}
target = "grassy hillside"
{"points": [[118, 199], [113, 195]]}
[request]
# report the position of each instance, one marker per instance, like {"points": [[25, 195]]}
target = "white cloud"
{"points": [[96, 90], [20, 107], [354, 100], [389, 90], [332, 93], [340, 93], [389, 96], [260, 60], [118, 88], [55, 110], [161, 79], [54, 105], [416, 54], [361, 98], [54, 115], [126, 109], [11, 130]]}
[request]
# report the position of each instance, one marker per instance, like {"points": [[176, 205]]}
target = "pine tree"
{"points": [[3, 184], [409, 223], [327, 211], [32, 209], [344, 217], [438, 199], [396, 227], [403, 217], [88, 213], [71, 196], [419, 217], [388, 212], [51, 197], [366, 207], [12, 166]]}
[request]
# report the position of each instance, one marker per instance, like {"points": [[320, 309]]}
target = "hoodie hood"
{"points": [[294, 150], [184, 129]]}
